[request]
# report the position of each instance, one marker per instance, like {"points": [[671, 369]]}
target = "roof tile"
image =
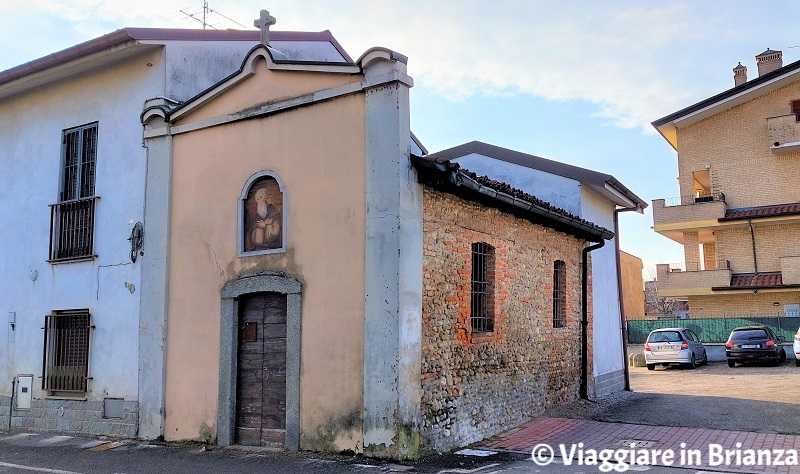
{"points": [[762, 211]]}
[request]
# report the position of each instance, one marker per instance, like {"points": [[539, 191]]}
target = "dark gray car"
{"points": [[754, 343]]}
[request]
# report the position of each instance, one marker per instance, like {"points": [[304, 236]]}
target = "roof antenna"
{"points": [[206, 12]]}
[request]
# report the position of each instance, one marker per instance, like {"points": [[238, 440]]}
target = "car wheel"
{"points": [[797, 362], [705, 358], [653, 366], [782, 357], [692, 364], [731, 363]]}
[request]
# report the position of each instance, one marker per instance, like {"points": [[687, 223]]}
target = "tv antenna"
{"points": [[206, 12]]}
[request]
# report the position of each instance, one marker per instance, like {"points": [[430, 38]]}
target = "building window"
{"points": [[559, 294], [482, 302], [795, 104], [72, 218], [261, 215], [66, 351]]}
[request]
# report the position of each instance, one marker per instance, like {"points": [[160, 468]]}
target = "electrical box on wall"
{"points": [[24, 393]]}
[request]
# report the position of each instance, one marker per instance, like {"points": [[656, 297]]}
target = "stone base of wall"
{"points": [[71, 416], [605, 384]]}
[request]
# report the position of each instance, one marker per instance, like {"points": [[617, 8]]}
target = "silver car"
{"points": [[674, 346]]}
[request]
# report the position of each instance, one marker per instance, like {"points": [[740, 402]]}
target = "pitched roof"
{"points": [[133, 35], [666, 125], [761, 211], [756, 280], [594, 178], [449, 177]]}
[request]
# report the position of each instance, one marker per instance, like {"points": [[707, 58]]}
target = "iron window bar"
{"points": [[482, 295], [559, 294], [65, 366], [72, 229]]}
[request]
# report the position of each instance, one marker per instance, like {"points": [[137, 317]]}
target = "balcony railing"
{"points": [[72, 229], [684, 279], [669, 214], [784, 133], [694, 199], [696, 267]]}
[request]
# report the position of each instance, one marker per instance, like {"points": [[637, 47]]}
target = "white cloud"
{"points": [[637, 61]]}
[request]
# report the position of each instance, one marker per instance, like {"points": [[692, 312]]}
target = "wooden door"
{"points": [[261, 371]]}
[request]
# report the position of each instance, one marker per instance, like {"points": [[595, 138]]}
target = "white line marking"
{"points": [[55, 439], [37, 469]]}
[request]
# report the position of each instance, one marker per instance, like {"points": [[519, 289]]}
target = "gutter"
{"points": [[435, 173]]}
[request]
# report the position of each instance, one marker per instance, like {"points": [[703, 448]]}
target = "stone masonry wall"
{"points": [[71, 416], [476, 385]]}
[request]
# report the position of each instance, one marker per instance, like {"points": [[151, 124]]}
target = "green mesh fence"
{"points": [[713, 330]]}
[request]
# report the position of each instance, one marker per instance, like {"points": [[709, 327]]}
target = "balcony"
{"points": [[688, 279], [688, 212], [784, 134], [72, 229]]}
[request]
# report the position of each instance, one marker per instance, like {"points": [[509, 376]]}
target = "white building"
{"points": [[82, 282], [590, 195]]}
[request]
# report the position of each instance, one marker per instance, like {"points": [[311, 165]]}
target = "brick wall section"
{"points": [[772, 242], [478, 385], [736, 144], [691, 248], [632, 286], [741, 304]]}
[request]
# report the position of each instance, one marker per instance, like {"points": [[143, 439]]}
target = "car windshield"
{"points": [[749, 334], [666, 336]]}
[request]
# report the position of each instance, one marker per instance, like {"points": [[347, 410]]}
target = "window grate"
{"points": [[72, 218], [559, 294], [482, 296], [66, 351], [72, 229]]}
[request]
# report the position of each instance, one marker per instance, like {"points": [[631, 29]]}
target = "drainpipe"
{"points": [[753, 240], [584, 389]]}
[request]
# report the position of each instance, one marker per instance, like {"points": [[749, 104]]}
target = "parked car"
{"points": [[754, 343], [796, 348], [670, 346]]}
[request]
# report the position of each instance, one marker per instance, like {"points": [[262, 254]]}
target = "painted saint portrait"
{"points": [[263, 216]]}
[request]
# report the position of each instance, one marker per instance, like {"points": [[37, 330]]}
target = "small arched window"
{"points": [[262, 217]]}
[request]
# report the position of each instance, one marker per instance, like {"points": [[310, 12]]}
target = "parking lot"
{"points": [[751, 397]]}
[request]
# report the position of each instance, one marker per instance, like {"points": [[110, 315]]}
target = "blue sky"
{"points": [[577, 82]]}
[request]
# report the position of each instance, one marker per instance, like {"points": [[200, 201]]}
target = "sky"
{"points": [[577, 82]]}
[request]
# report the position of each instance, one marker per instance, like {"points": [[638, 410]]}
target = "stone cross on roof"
{"points": [[264, 22]]}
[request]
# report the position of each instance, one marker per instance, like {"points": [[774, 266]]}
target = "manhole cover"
{"points": [[634, 443]]}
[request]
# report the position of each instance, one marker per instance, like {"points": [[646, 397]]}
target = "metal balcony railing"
{"points": [[72, 229], [694, 199]]}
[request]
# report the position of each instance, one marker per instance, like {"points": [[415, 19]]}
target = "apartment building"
{"points": [[738, 214]]}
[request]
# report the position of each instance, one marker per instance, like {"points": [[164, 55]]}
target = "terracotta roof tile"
{"points": [[761, 280], [762, 211]]}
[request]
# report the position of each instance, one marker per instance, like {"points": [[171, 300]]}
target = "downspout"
{"points": [[584, 389], [753, 240]]}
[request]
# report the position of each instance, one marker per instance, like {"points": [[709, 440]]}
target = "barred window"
{"points": [[66, 351], [559, 294], [482, 301], [72, 218]]}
